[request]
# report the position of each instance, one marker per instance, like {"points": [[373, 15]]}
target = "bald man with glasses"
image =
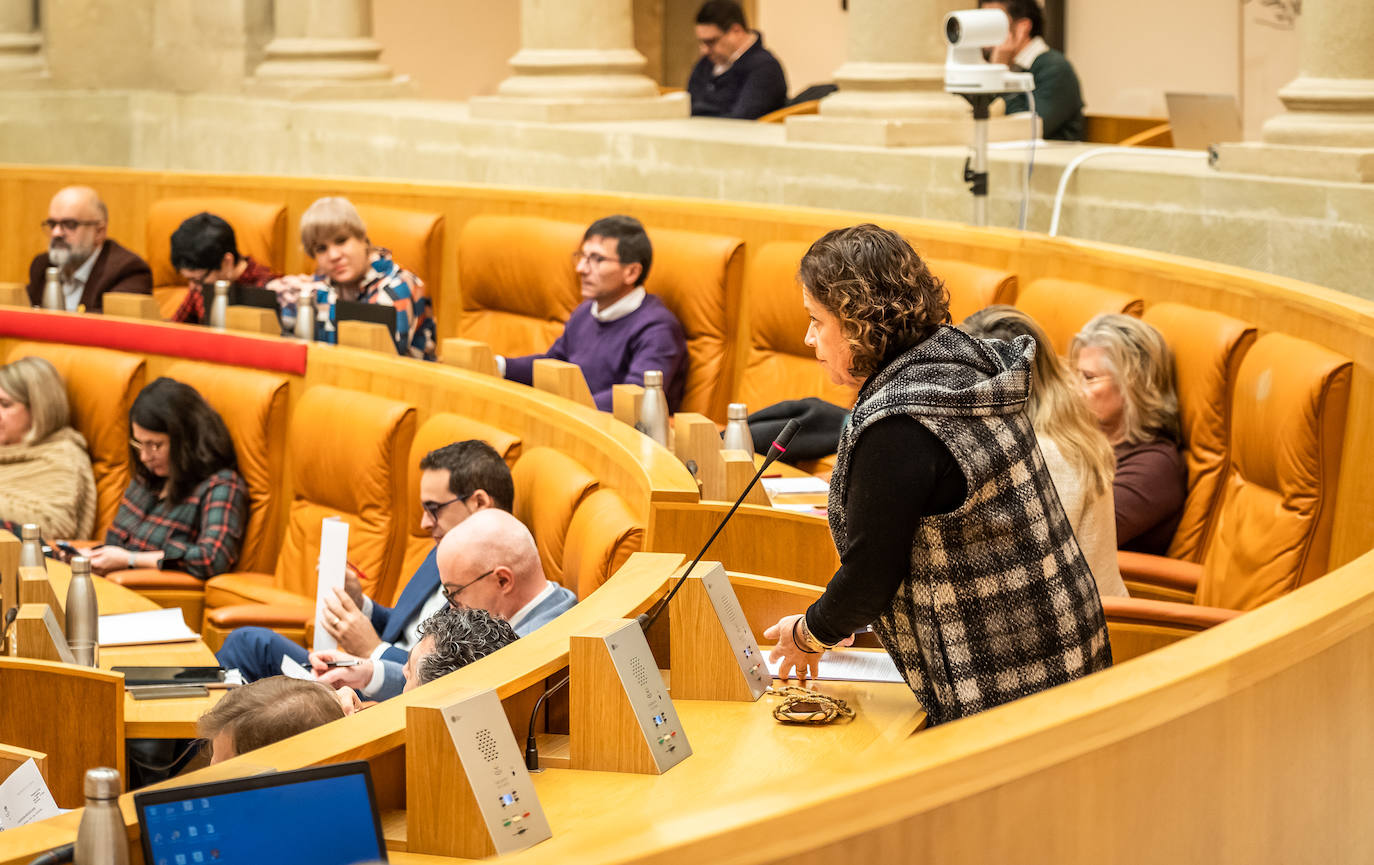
{"points": [[89, 263], [490, 563], [457, 481]]}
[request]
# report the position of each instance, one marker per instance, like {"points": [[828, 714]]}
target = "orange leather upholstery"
{"points": [[517, 280], [259, 229], [101, 386], [699, 277], [1274, 527], [1136, 626], [346, 454], [549, 486], [779, 366], [1208, 348], [441, 429], [1062, 307], [602, 535], [415, 239], [973, 287]]}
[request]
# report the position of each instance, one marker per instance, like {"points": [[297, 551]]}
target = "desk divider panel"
{"points": [[562, 379], [714, 656], [9, 577], [35, 588]]}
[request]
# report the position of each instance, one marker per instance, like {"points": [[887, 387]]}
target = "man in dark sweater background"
{"points": [[620, 331], [736, 76], [1058, 97]]}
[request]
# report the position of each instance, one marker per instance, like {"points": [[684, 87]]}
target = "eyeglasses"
{"points": [[595, 259], [433, 508], [452, 596], [67, 224], [151, 447]]}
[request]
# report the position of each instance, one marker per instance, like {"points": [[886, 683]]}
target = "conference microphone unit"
{"points": [[778, 448]]}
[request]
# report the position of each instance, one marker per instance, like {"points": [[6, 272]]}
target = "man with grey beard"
{"points": [[89, 263]]}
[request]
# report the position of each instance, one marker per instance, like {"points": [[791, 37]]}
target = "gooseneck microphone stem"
{"points": [[531, 748], [779, 447]]}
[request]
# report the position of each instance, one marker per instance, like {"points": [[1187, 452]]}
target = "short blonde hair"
{"points": [[328, 217], [36, 384], [1137, 355]]}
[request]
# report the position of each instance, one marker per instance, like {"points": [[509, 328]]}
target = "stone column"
{"points": [[577, 62], [21, 43], [324, 49], [1328, 130], [892, 86]]}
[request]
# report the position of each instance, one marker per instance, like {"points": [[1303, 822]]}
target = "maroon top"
{"points": [[1151, 483]]}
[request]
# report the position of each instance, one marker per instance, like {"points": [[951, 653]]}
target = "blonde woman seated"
{"points": [[348, 267], [1076, 452], [1128, 380], [45, 472]]}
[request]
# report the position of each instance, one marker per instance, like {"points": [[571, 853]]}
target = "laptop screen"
{"points": [[320, 816]]}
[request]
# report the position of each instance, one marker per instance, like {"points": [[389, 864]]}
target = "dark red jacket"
{"points": [[116, 269]]}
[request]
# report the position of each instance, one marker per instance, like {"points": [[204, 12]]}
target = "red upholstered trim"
{"points": [[192, 343]]}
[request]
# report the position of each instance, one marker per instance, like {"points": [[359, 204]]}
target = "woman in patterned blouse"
{"points": [[349, 267], [187, 505]]}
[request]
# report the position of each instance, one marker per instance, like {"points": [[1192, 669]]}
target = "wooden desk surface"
{"points": [[146, 719], [739, 753]]}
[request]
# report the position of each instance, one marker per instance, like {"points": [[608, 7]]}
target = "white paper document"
{"points": [[149, 626], [795, 486], [291, 670], [853, 665], [25, 798], [333, 560]]}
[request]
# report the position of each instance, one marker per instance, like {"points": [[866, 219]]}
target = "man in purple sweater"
{"points": [[621, 331]]}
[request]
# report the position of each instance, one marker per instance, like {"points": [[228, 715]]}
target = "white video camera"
{"points": [[966, 72]]}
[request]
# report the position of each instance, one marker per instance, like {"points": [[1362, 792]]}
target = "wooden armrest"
{"points": [[1160, 571], [1164, 613], [143, 579], [263, 615]]}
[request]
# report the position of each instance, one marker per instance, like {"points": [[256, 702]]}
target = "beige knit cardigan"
{"points": [[51, 484]]}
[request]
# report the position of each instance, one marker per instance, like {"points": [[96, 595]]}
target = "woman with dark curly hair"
{"points": [[187, 505], [953, 543]]}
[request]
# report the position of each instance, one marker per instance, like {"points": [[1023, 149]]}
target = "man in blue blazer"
{"points": [[489, 562], [456, 481]]}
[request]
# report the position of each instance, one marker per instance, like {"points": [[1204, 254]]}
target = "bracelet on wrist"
{"points": [[132, 561], [814, 641], [802, 643]]}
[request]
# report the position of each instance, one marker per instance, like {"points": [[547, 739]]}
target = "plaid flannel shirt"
{"points": [[201, 534], [1000, 602]]}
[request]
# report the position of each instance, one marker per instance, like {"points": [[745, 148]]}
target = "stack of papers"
{"points": [[150, 626], [25, 798], [853, 665]]}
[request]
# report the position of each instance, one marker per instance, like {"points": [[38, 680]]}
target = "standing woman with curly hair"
{"points": [[953, 543], [187, 505]]}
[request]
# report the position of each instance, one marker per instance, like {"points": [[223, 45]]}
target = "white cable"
{"points": [[1102, 151], [1030, 165]]}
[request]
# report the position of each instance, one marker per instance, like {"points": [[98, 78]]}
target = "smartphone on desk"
{"points": [[170, 675], [166, 692]]}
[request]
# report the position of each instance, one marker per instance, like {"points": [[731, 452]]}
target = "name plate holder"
{"points": [[38, 635], [713, 654], [620, 717], [468, 793], [35, 587]]}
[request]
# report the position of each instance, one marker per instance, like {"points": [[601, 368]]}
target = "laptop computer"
{"points": [[1199, 120], [353, 310], [324, 815]]}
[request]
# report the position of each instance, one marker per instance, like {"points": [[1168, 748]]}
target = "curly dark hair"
{"points": [[884, 295], [200, 442], [460, 637]]}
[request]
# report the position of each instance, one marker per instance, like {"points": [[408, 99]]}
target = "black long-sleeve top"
{"points": [[899, 472]]}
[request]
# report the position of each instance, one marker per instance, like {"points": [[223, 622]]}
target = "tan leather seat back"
{"points": [[101, 386], [699, 278], [1288, 423], [1208, 348], [259, 229], [253, 405], [1062, 307], [549, 486], [441, 429], [779, 365], [972, 286], [517, 280], [346, 452], [415, 239], [602, 535]]}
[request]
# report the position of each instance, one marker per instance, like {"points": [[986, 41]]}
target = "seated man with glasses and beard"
{"points": [[489, 563], [89, 263], [620, 332], [457, 481]]}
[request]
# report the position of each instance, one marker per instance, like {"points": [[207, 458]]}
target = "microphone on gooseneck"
{"points": [[778, 448], [531, 748]]}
